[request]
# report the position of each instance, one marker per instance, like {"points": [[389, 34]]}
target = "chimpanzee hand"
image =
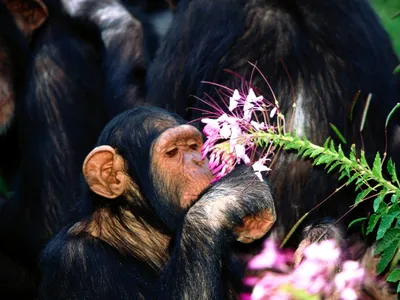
{"points": [[239, 204]]}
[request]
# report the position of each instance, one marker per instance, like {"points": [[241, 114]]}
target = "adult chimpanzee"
{"points": [[18, 20], [60, 114], [150, 235], [328, 50], [129, 44]]}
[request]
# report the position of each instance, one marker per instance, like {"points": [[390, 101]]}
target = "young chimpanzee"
{"points": [[153, 232], [316, 56]]}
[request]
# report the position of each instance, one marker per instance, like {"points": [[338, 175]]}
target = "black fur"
{"points": [[14, 48], [61, 111], [331, 50], [198, 264]]}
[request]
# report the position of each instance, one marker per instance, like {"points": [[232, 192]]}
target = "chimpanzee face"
{"points": [[177, 163]]}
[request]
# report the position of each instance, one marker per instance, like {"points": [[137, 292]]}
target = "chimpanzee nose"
{"points": [[196, 159]]}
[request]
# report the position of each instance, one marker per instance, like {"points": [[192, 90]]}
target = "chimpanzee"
{"points": [[130, 35], [61, 110], [316, 55], [153, 232], [18, 20]]}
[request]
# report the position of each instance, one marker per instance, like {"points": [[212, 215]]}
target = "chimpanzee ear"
{"points": [[28, 14], [104, 171]]}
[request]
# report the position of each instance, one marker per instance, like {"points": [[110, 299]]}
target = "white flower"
{"points": [[233, 101], [259, 167]]}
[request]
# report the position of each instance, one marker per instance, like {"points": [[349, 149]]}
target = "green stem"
{"points": [[287, 237], [298, 144]]}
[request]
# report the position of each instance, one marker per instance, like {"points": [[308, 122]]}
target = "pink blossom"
{"points": [[233, 101], [273, 112], [251, 102], [259, 167], [235, 128], [258, 126], [348, 294], [241, 154], [352, 275], [271, 257], [225, 131], [326, 251]]}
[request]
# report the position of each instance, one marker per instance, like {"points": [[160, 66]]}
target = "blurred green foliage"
{"points": [[386, 10]]}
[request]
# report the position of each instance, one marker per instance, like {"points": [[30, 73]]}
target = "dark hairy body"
{"points": [[157, 234], [315, 55]]}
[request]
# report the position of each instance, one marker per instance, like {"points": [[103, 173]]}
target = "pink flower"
{"points": [[233, 101], [273, 112], [348, 294], [271, 257], [258, 126], [326, 251], [352, 275], [251, 102], [259, 167], [241, 154]]}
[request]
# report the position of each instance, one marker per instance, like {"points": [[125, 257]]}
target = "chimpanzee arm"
{"points": [[202, 247], [85, 268], [124, 54]]}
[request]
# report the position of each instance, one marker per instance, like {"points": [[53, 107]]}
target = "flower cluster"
{"points": [[228, 141], [315, 277]]}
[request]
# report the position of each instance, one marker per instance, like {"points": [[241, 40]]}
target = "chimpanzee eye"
{"points": [[194, 146], [172, 152]]}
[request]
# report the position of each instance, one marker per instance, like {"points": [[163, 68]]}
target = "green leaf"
{"points": [[363, 159], [385, 224], [398, 288], [392, 170], [397, 70], [323, 159], [362, 195], [344, 173], [352, 178], [360, 182], [391, 236], [340, 152], [394, 276], [373, 220], [332, 146], [377, 203], [340, 136], [353, 153], [377, 168], [326, 144], [315, 153], [382, 209], [308, 152], [356, 221], [393, 110], [387, 256], [333, 166]]}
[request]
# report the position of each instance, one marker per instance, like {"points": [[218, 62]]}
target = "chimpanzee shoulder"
{"points": [[80, 266]]}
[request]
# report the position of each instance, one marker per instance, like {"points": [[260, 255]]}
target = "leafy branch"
{"points": [[369, 181]]}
